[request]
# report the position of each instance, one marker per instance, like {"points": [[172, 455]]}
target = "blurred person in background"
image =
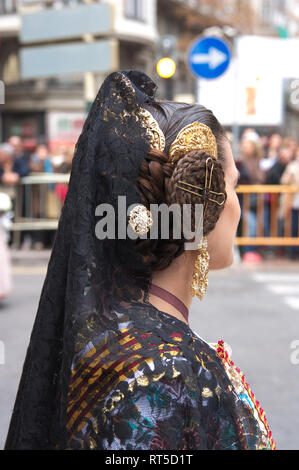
{"points": [[5, 267], [273, 177], [40, 160], [248, 165], [250, 134], [264, 143], [271, 157], [292, 144], [65, 167], [291, 206], [19, 153], [59, 158], [285, 155], [248, 162], [11, 168]]}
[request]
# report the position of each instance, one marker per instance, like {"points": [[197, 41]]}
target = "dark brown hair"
{"points": [[158, 178]]}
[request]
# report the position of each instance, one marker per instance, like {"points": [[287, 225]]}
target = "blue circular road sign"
{"points": [[209, 57]]}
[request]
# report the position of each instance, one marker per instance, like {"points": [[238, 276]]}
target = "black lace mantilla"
{"points": [[84, 274]]}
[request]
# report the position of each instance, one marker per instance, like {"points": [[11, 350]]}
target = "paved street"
{"points": [[255, 310]]}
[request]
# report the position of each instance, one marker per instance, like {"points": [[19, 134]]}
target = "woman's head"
{"points": [[6, 153], [250, 149], [42, 151], [275, 142], [286, 153], [158, 183]]}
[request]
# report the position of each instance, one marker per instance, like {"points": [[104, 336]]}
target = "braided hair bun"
{"points": [[158, 181], [154, 176], [191, 169]]}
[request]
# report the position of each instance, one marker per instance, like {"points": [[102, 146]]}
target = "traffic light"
{"points": [[166, 67], [166, 56]]}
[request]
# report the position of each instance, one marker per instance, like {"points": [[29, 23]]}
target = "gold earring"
{"points": [[200, 275]]}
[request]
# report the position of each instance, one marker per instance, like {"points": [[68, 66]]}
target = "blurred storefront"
{"points": [[63, 128], [29, 126]]}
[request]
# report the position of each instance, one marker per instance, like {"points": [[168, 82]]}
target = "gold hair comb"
{"points": [[195, 136]]}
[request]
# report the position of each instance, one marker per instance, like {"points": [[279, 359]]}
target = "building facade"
{"points": [[47, 97], [54, 54]]}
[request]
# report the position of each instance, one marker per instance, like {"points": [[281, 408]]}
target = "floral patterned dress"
{"points": [[151, 383]]}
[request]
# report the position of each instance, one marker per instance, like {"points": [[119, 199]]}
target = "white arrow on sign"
{"points": [[214, 58]]}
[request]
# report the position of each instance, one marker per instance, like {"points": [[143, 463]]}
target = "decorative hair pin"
{"points": [[206, 189], [140, 219], [195, 136], [156, 136]]}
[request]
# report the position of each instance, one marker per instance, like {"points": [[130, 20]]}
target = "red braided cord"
{"points": [[225, 358]]}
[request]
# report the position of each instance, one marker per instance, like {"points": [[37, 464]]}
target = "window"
{"points": [[8, 7], [134, 9], [267, 10]]}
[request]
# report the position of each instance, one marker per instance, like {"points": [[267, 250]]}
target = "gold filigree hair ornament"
{"points": [[195, 136], [141, 218], [153, 130]]}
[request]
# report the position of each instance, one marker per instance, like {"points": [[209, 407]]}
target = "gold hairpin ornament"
{"points": [[153, 130], [206, 189], [195, 136]]}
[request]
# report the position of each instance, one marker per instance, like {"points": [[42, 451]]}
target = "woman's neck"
{"points": [[176, 279]]}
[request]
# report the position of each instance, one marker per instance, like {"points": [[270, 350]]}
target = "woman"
{"points": [[251, 173], [290, 201], [112, 362]]}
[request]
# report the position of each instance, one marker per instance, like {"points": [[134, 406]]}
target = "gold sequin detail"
{"points": [[142, 381], [95, 426], [158, 376], [131, 386], [206, 392], [92, 443], [175, 372], [115, 399]]}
